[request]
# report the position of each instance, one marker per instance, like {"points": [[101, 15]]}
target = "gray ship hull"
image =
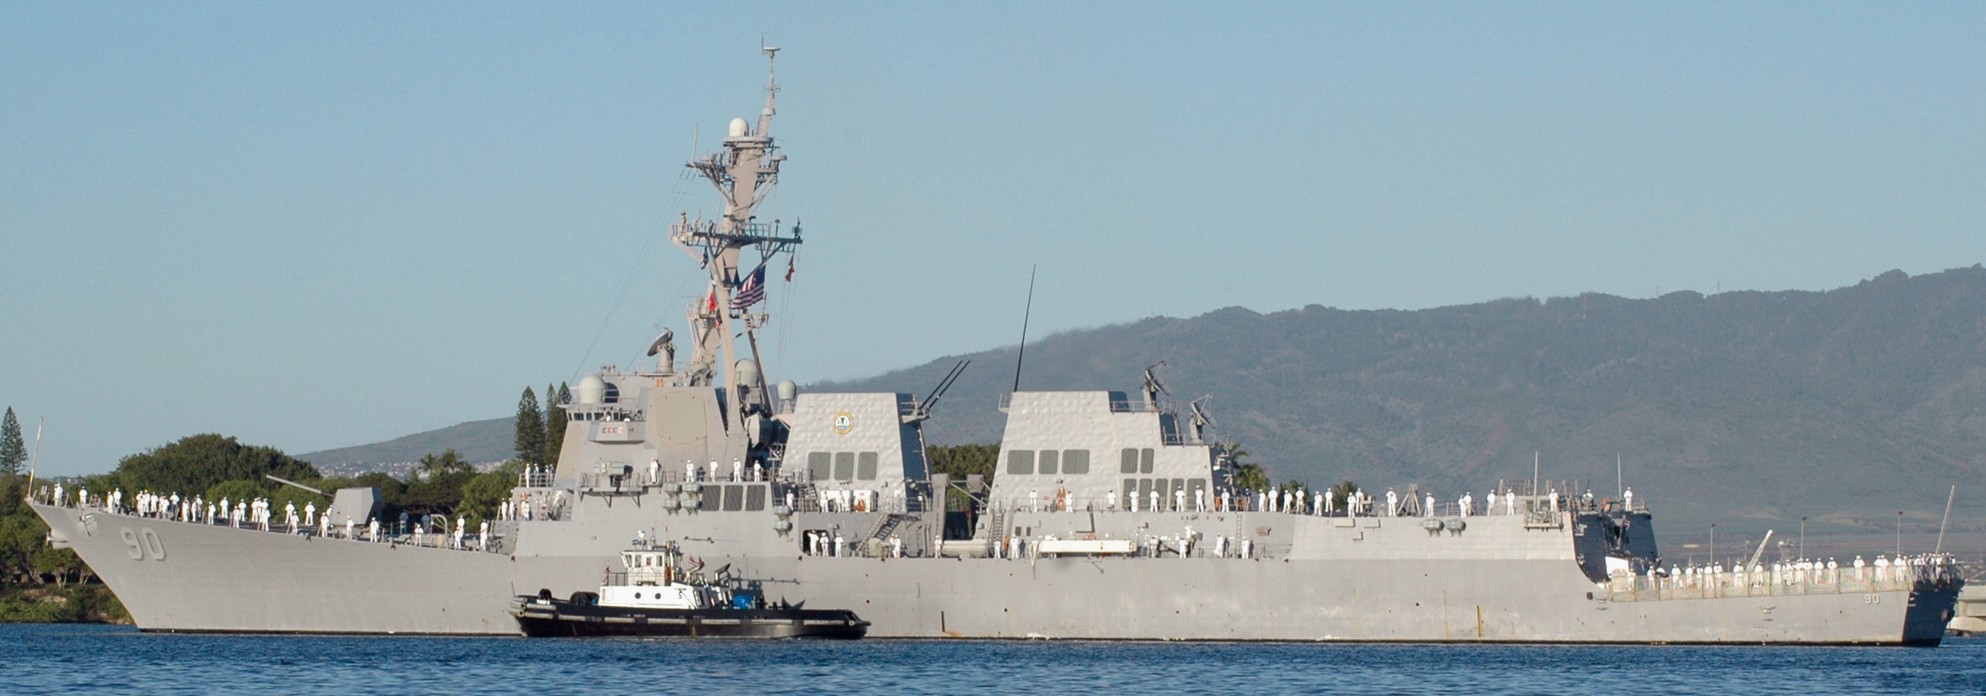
{"points": [[1328, 579]]}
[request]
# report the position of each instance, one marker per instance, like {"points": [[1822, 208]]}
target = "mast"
{"points": [[743, 173]]}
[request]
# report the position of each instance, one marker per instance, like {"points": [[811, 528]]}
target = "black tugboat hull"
{"points": [[540, 618]]}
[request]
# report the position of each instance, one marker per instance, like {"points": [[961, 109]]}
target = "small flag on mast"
{"points": [[751, 291]]}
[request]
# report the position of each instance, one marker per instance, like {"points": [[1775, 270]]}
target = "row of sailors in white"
{"points": [[1903, 569], [1180, 545], [844, 500], [531, 506], [820, 543], [692, 473]]}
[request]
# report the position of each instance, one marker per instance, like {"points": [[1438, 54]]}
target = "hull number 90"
{"points": [[142, 544]]}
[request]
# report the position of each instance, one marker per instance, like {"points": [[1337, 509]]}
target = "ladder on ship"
{"points": [[996, 527], [885, 525]]}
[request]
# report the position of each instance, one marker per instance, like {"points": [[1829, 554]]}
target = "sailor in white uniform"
{"points": [[1392, 503]]}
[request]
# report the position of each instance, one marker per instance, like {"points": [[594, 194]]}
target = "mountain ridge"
{"points": [[1844, 405]]}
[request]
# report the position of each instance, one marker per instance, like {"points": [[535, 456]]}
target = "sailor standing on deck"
{"points": [[1491, 508], [1110, 499], [372, 529], [737, 470], [1627, 499], [1392, 503], [689, 470], [1199, 500], [654, 471], [1179, 499], [1154, 497], [483, 537], [1554, 500], [1227, 503]]}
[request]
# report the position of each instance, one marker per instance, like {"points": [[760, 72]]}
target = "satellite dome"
{"points": [[786, 389], [591, 391], [748, 372], [739, 128]]}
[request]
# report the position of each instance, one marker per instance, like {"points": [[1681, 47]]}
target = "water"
{"points": [[98, 659]]}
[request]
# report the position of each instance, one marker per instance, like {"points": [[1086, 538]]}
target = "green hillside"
{"points": [[1750, 409], [1847, 405]]}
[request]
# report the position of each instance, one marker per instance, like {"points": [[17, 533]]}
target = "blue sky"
{"points": [[317, 225]]}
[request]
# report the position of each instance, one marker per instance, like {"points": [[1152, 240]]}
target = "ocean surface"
{"points": [[112, 660]]}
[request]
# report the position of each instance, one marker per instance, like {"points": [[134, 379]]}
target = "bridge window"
{"points": [[865, 466], [734, 498], [844, 466], [818, 465], [1145, 460], [1020, 462], [1130, 463], [1075, 461], [1050, 461], [755, 497]]}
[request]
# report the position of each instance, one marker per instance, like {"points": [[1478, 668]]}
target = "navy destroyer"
{"points": [[1113, 516]]}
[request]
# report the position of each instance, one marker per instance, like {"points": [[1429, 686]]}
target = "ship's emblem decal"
{"points": [[843, 422]]}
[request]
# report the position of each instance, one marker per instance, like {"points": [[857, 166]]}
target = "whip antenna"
{"points": [[1025, 315]]}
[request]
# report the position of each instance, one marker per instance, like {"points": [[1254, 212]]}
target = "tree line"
{"points": [[214, 466]]}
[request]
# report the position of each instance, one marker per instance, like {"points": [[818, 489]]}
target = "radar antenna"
{"points": [[1153, 387], [1201, 421], [664, 345]]}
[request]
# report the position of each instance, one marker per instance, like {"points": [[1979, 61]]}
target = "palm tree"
{"points": [[1344, 490], [1250, 477]]}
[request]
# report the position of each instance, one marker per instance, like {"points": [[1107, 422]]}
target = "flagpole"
{"points": [[36, 459]]}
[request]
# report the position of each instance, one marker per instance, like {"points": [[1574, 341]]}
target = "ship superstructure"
{"points": [[1112, 515]]}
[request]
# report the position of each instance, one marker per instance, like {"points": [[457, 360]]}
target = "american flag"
{"points": [[752, 291]]}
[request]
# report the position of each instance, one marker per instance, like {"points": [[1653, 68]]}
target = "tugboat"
{"points": [[654, 596]]}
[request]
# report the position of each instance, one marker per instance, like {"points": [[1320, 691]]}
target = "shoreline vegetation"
{"points": [[87, 603]]}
